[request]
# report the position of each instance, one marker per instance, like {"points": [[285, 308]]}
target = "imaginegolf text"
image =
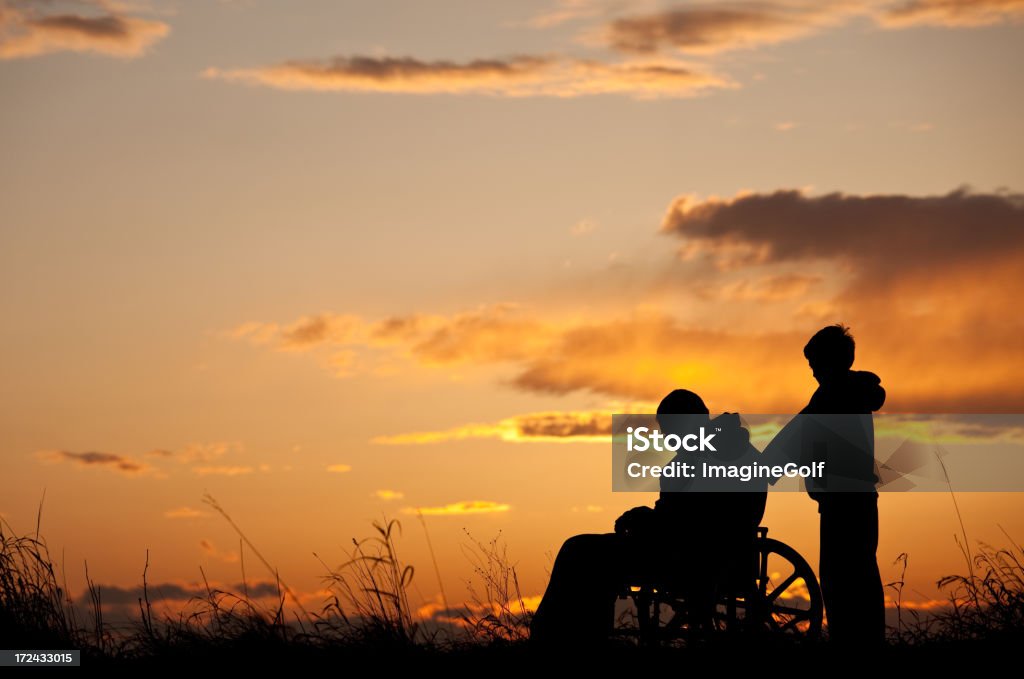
{"points": [[746, 472]]}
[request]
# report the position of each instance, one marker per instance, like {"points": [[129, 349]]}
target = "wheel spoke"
{"points": [[792, 623], [783, 586], [801, 613], [762, 575]]}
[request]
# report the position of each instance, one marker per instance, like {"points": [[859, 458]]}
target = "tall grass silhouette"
{"points": [[367, 607], [34, 606], [985, 605], [369, 592], [497, 611]]}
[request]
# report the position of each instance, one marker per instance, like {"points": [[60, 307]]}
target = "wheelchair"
{"points": [[770, 591]]}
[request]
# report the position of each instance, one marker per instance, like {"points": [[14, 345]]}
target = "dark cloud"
{"points": [[408, 68], [895, 231], [390, 74], [104, 27], [706, 28], [113, 595], [717, 27], [193, 453], [93, 458], [27, 30], [929, 283]]}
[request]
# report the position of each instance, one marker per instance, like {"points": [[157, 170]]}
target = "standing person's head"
{"points": [[830, 352]]}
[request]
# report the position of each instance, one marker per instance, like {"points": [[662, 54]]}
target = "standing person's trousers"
{"points": [[850, 582]]}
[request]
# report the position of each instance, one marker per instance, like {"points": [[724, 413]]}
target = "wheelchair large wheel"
{"points": [[776, 595], [785, 598]]}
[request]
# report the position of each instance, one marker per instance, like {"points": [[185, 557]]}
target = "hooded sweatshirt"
{"points": [[858, 392], [846, 444]]}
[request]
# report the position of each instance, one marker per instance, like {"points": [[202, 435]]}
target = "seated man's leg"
{"points": [[579, 603]]}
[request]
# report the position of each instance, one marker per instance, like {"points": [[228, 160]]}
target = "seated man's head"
{"points": [[830, 353], [683, 403]]}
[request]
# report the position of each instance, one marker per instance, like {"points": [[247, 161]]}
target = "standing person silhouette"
{"points": [[836, 427]]}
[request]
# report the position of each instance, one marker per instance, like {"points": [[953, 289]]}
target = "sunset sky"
{"points": [[330, 261]]}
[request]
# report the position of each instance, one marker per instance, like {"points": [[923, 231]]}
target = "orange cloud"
{"points": [[926, 282], [195, 453], [564, 12], [520, 76], [213, 552], [185, 513], [592, 509], [28, 31], [772, 288], [639, 356], [339, 468], [388, 495], [536, 427], [493, 333], [644, 357], [496, 333], [306, 332], [223, 470], [951, 13], [460, 508]]}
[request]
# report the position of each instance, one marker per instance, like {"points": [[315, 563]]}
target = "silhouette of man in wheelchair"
{"points": [[696, 562]]}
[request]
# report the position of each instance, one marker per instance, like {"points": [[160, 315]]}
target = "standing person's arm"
{"points": [[785, 447]]}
